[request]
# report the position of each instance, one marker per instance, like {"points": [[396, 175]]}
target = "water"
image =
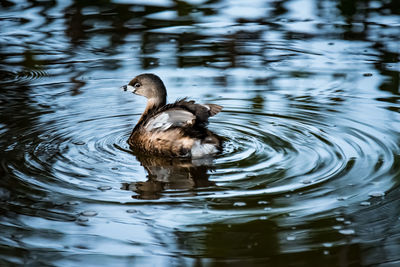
{"points": [[310, 171]]}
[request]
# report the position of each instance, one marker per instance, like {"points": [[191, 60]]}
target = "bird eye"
{"points": [[137, 85]]}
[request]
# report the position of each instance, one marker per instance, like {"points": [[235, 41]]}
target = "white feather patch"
{"points": [[160, 123], [169, 118], [206, 106], [200, 150]]}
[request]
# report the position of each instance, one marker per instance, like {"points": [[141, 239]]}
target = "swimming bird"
{"points": [[173, 130]]}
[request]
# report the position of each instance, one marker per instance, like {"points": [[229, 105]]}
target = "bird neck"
{"points": [[152, 104]]}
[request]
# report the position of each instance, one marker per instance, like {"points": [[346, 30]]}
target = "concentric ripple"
{"points": [[310, 170], [270, 154], [265, 154]]}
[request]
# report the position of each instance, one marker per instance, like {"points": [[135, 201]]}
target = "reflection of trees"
{"points": [[380, 226], [116, 22], [21, 129], [85, 20], [360, 12]]}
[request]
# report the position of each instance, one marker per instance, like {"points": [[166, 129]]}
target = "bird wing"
{"points": [[201, 111], [170, 118]]}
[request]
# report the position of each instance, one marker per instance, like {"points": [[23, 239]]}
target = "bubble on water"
{"points": [[131, 211], [327, 245], [326, 252], [104, 188], [306, 181], [365, 203], [347, 231], [377, 194], [340, 219], [239, 204], [89, 213], [291, 238], [262, 202], [263, 218], [82, 219], [73, 202], [78, 143], [367, 74]]}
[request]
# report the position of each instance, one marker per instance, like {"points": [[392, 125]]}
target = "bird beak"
{"points": [[128, 88]]}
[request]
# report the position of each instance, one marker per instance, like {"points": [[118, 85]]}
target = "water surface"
{"points": [[310, 171]]}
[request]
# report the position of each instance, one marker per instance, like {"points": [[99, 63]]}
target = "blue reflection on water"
{"points": [[310, 168]]}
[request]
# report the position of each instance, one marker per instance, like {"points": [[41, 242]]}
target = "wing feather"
{"points": [[170, 118]]}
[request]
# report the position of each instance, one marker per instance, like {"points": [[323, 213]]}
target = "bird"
{"points": [[172, 130]]}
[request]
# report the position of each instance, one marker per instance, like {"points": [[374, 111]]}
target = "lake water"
{"points": [[310, 171]]}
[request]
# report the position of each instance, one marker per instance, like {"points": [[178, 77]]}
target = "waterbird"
{"points": [[172, 130]]}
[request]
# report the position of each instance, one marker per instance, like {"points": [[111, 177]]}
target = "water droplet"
{"points": [[367, 74], [263, 218], [239, 204], [337, 227], [347, 232], [327, 245], [267, 208], [306, 181], [347, 222], [104, 187], [291, 238], [262, 202], [341, 198], [89, 213], [73, 202], [78, 143], [82, 219], [340, 219], [365, 203], [326, 252], [376, 194], [131, 211]]}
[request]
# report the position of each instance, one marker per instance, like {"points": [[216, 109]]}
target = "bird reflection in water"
{"points": [[176, 174]]}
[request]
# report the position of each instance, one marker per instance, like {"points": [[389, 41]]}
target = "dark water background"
{"points": [[310, 173]]}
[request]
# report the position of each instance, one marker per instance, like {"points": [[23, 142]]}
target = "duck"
{"points": [[172, 130]]}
